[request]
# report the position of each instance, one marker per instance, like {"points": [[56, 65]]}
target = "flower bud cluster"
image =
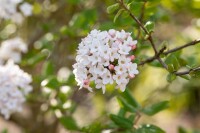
{"points": [[103, 57], [14, 86], [9, 10], [12, 49]]}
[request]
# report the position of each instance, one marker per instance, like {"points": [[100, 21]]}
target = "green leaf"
{"points": [[112, 8], [182, 130], [36, 59], [155, 108], [51, 82], [126, 105], [4, 131], [149, 129], [118, 14], [47, 69], [69, 123], [149, 26], [171, 77], [122, 112], [187, 77], [129, 98], [132, 117], [170, 68], [121, 121], [173, 59], [93, 128]]}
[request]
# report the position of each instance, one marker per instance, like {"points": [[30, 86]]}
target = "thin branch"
{"points": [[187, 72], [182, 47], [137, 118], [169, 51], [152, 58], [141, 17], [146, 31]]}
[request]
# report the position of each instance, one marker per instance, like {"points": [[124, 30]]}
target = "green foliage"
{"points": [[149, 26], [4, 131], [155, 108], [171, 77], [149, 129], [113, 8], [121, 121], [69, 123]]}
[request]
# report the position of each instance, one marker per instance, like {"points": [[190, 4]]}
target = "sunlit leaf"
{"points": [[155, 108]]}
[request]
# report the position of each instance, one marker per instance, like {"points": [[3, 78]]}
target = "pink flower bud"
{"points": [[111, 67], [86, 82], [132, 57], [132, 76], [133, 47]]}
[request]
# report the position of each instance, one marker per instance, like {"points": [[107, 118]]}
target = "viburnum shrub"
{"points": [[51, 49], [104, 57]]}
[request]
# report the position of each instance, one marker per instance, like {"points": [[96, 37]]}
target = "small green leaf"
{"points": [[118, 14], [173, 59], [182, 130], [132, 117], [122, 112], [155, 108], [112, 8], [4, 131], [51, 82], [149, 129], [121, 121], [149, 26], [47, 69], [126, 105], [36, 59], [187, 77], [129, 98], [170, 68], [69, 123], [171, 77]]}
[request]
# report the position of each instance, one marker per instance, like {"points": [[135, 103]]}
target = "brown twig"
{"points": [[141, 17], [152, 58], [187, 72], [145, 30], [138, 116], [182, 47], [169, 51]]}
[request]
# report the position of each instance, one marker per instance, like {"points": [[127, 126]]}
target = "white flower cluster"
{"points": [[11, 49], [103, 57], [14, 86], [8, 10]]}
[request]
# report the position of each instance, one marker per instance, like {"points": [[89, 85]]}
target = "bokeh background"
{"points": [[53, 33]]}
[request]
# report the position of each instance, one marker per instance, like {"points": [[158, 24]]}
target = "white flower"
{"points": [[103, 58], [99, 85], [121, 69], [100, 70], [123, 60], [95, 58], [132, 69], [26, 9], [114, 54], [8, 10], [14, 86], [124, 49], [121, 78], [12, 49], [107, 78]]}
